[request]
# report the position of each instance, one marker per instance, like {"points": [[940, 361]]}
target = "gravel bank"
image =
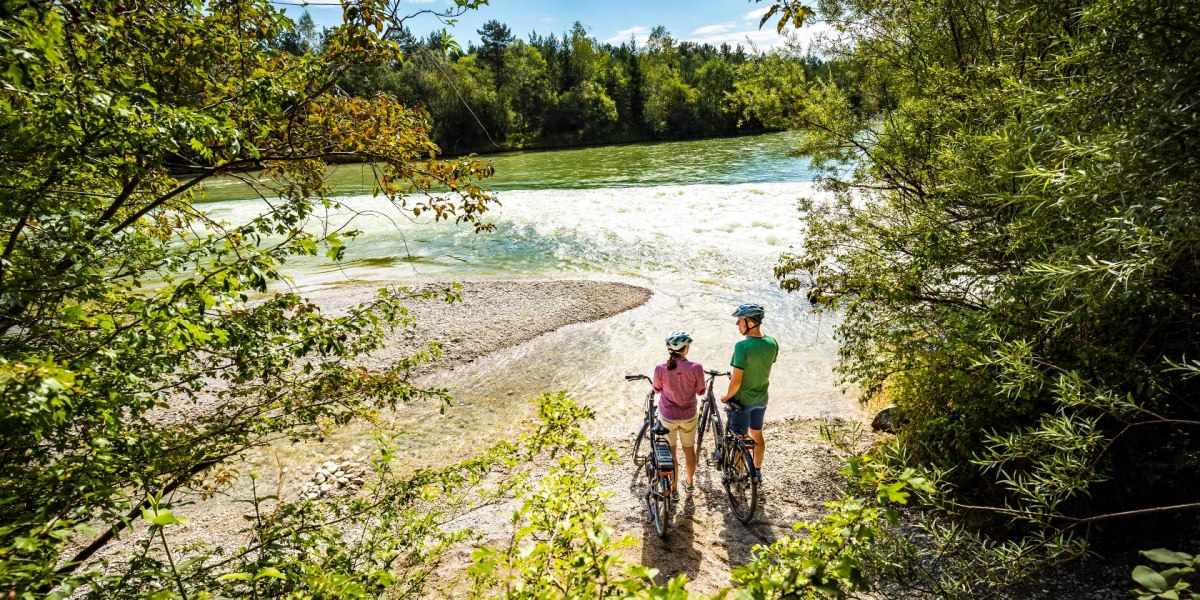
{"points": [[492, 315]]}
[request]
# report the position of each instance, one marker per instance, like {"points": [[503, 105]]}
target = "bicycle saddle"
{"points": [[659, 428]]}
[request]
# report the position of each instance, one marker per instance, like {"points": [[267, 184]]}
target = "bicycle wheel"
{"points": [[714, 425], [640, 457], [740, 484], [654, 504], [659, 505], [701, 427]]}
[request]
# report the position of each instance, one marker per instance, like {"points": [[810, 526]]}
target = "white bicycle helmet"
{"points": [[678, 340]]}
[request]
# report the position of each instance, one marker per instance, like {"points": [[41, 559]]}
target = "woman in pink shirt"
{"points": [[678, 382]]}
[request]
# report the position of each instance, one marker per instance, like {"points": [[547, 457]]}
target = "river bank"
{"points": [[704, 542], [491, 316]]}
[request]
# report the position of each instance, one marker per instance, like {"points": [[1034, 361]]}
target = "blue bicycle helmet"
{"points": [[678, 340], [750, 311]]}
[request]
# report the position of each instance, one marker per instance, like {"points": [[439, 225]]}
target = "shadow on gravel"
{"points": [[676, 552]]}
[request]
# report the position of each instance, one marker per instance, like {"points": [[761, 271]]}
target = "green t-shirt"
{"points": [[754, 356]]}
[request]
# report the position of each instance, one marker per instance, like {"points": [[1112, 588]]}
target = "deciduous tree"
{"points": [[122, 299]]}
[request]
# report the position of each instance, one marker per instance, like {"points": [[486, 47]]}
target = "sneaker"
{"points": [[758, 476], [688, 487], [716, 456]]}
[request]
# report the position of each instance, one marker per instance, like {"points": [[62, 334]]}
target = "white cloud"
{"points": [[755, 15], [639, 33], [714, 29], [764, 39]]}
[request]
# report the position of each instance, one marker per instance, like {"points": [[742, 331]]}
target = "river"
{"points": [[700, 223]]}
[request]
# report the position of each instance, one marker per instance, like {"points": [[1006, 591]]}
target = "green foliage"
{"points": [[566, 89], [560, 547], [122, 300], [1170, 583], [833, 557], [790, 13], [386, 541], [1011, 238]]}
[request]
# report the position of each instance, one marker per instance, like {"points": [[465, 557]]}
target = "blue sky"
{"points": [[614, 21]]}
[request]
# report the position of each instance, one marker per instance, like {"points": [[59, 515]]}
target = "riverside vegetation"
{"points": [[568, 89], [1014, 253]]}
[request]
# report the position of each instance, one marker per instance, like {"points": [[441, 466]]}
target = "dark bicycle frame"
{"points": [[661, 480], [735, 452]]}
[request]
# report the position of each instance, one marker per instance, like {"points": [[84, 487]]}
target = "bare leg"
{"points": [[675, 458], [689, 453], [760, 446]]}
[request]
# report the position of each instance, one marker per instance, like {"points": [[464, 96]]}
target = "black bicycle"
{"points": [[652, 454], [733, 453]]}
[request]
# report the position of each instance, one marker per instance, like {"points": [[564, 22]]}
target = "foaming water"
{"points": [[702, 248], [718, 233]]}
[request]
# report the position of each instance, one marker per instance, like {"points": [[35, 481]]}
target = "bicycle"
{"points": [[733, 454], [658, 463]]}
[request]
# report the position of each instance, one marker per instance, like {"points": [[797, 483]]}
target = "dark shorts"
{"points": [[750, 416]]}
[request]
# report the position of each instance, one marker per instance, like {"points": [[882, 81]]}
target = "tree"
{"points": [[526, 94], [1013, 247], [587, 110], [714, 83], [494, 38], [120, 297], [302, 39], [468, 109]]}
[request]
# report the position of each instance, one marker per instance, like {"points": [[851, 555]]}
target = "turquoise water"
{"points": [[752, 159], [702, 224], [756, 159]]}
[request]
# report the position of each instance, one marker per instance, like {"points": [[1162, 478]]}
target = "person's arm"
{"points": [[735, 383], [656, 381]]}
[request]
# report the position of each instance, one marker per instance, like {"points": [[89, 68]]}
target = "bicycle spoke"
{"points": [[740, 484], [660, 506]]}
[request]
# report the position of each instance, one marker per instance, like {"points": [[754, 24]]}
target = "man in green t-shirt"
{"points": [[752, 360]]}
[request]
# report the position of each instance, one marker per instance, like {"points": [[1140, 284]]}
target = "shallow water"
{"points": [[702, 224]]}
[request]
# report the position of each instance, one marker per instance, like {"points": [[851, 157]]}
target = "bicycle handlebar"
{"points": [[715, 373], [636, 377]]}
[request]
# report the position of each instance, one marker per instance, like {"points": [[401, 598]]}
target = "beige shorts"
{"points": [[681, 431]]}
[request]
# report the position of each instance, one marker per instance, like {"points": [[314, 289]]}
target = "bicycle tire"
{"points": [[639, 457], [659, 506], [701, 427], [668, 493], [714, 423], [654, 505], [740, 484]]}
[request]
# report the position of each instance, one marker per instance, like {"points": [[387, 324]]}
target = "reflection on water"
{"points": [[752, 159]]}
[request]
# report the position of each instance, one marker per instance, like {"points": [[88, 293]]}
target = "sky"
{"points": [[613, 21]]}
